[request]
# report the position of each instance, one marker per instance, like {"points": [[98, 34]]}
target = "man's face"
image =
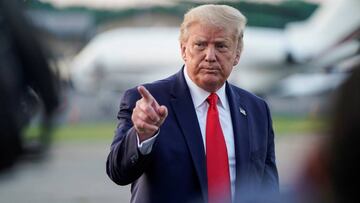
{"points": [[209, 53]]}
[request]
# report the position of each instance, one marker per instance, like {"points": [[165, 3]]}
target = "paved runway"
{"points": [[75, 173]]}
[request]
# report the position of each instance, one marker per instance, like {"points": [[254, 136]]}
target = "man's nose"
{"points": [[210, 54]]}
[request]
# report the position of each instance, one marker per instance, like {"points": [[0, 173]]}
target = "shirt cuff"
{"points": [[146, 146]]}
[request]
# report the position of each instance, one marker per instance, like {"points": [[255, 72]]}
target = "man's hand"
{"points": [[147, 115]]}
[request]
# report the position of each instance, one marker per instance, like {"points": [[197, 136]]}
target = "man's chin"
{"points": [[211, 84]]}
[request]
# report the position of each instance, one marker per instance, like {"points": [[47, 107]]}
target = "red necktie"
{"points": [[217, 162]]}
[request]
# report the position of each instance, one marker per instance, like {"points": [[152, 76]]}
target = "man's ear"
{"points": [[239, 48], [237, 57], [183, 50]]}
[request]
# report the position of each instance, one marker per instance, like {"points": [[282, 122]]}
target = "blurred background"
{"points": [[296, 54]]}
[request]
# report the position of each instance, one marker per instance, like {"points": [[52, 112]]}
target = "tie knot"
{"points": [[212, 99]]}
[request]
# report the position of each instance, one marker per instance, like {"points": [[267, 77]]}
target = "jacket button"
{"points": [[133, 159]]}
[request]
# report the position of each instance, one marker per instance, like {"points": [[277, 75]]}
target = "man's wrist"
{"points": [[145, 146]]}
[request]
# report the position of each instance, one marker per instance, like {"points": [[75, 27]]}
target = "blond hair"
{"points": [[222, 16]]}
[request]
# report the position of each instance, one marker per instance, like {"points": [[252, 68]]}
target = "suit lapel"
{"points": [[239, 117], [184, 111], [183, 108]]}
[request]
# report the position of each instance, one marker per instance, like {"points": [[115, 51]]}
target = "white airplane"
{"points": [[332, 24], [122, 58], [125, 57], [324, 48]]}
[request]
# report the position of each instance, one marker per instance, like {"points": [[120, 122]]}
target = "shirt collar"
{"points": [[199, 95]]}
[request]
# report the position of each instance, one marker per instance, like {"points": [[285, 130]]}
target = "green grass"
{"points": [[79, 132], [105, 131], [294, 125], [98, 131]]}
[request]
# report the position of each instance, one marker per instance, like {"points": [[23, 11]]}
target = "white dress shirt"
{"points": [[199, 97], [201, 106]]}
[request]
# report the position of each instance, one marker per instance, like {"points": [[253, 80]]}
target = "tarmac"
{"points": [[75, 173]]}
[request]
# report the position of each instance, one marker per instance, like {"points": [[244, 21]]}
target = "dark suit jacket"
{"points": [[175, 170]]}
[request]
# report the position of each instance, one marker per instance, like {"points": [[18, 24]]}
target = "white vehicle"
{"points": [[329, 26], [122, 58]]}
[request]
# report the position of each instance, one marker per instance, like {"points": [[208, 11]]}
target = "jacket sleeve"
{"points": [[125, 163], [270, 179]]}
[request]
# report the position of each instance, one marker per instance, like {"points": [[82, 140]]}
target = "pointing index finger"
{"points": [[148, 97], [146, 94]]}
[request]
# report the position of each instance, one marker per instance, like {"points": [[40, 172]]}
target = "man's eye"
{"points": [[221, 46], [199, 45]]}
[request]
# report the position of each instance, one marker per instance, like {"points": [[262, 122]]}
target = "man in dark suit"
{"points": [[208, 141]]}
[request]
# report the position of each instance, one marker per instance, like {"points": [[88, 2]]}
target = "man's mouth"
{"points": [[211, 70]]}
